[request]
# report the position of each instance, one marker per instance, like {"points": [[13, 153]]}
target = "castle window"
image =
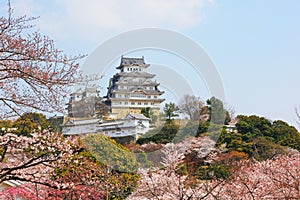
{"points": [[132, 103], [140, 69], [139, 103], [152, 104], [155, 97], [149, 97], [126, 103], [145, 103]]}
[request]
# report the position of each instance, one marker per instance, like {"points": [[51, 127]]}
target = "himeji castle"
{"points": [[133, 88], [129, 90]]}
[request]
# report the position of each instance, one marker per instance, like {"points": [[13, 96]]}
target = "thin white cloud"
{"points": [[79, 26], [91, 18], [120, 14]]}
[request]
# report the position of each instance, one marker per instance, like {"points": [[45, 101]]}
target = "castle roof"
{"points": [[132, 62], [78, 122], [136, 116]]}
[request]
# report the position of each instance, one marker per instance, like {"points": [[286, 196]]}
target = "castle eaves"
{"points": [[130, 61], [136, 74]]}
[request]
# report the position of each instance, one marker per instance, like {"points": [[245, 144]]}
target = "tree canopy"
{"points": [[170, 110], [147, 112], [110, 153], [259, 137], [30, 122], [160, 135], [218, 113]]}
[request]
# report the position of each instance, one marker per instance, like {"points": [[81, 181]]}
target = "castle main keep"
{"points": [[133, 88]]}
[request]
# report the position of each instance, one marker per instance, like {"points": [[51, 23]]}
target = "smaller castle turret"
{"points": [[84, 103]]}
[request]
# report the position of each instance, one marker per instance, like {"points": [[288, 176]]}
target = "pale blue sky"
{"points": [[254, 44]]}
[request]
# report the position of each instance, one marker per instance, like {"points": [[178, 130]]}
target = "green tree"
{"points": [[257, 126], [285, 134], [218, 114], [55, 123], [4, 125], [265, 149], [147, 112], [161, 135], [110, 153], [169, 111], [29, 122], [236, 142], [261, 138]]}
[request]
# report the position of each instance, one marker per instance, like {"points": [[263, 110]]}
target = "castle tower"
{"points": [[83, 103], [133, 88]]}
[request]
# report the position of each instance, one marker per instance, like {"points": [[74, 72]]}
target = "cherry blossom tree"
{"points": [[270, 179], [49, 166], [33, 72], [24, 191], [32, 159], [168, 183], [276, 178]]}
